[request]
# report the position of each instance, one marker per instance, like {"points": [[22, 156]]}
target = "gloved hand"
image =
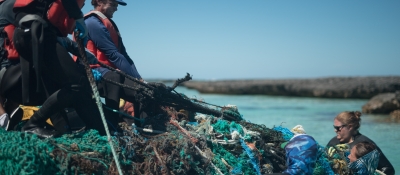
{"points": [[90, 57], [96, 75], [81, 27]]}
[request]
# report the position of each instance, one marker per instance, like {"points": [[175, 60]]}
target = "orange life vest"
{"points": [[114, 37], [56, 14], [12, 53]]}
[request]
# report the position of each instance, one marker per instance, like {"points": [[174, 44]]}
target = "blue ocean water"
{"points": [[314, 114]]}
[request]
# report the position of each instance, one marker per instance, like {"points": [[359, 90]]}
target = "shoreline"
{"points": [[330, 87]]}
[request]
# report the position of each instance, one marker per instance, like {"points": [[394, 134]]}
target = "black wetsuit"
{"points": [[384, 165], [65, 84]]}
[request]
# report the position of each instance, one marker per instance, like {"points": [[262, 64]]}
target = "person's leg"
{"points": [[52, 78], [88, 111], [55, 103], [132, 96], [112, 97], [11, 91], [60, 122], [83, 103]]}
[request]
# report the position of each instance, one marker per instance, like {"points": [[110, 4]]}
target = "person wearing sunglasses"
{"points": [[105, 41], [347, 126]]}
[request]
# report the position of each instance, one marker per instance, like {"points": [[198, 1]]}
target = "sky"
{"points": [[260, 39]]}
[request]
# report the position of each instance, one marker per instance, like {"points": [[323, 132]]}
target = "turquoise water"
{"points": [[314, 114]]}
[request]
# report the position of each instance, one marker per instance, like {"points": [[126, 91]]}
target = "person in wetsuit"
{"points": [[55, 73], [347, 125]]}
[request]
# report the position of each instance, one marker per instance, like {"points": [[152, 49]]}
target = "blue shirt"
{"points": [[301, 153], [101, 38]]}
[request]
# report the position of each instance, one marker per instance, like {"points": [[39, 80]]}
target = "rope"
{"points": [[124, 114], [199, 101], [247, 149], [150, 95], [73, 152], [193, 139], [212, 164], [97, 97]]}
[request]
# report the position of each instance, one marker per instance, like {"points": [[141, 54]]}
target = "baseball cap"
{"points": [[121, 2]]}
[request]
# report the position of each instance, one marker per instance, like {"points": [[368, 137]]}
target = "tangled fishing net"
{"points": [[181, 136], [209, 145]]}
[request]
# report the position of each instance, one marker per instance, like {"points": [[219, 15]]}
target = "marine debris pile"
{"points": [[179, 136], [208, 146]]}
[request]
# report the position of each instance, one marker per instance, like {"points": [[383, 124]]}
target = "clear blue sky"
{"points": [[260, 39]]}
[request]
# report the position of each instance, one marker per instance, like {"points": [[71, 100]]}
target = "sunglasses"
{"points": [[338, 128]]}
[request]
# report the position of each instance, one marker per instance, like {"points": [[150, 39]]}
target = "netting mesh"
{"points": [[208, 145], [22, 153]]}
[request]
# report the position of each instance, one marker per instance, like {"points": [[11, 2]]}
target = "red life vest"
{"points": [[56, 14], [114, 37], [12, 53], [22, 3]]}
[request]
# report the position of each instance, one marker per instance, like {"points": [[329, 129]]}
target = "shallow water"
{"points": [[314, 114]]}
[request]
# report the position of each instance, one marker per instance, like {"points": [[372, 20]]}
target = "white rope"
{"points": [[98, 102], [212, 164]]}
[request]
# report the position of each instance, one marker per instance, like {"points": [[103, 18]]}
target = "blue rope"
{"points": [[287, 134], [250, 153]]}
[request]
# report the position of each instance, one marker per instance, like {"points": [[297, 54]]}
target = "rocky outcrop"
{"points": [[334, 87], [383, 103], [395, 116]]}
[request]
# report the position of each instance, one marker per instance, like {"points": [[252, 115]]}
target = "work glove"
{"points": [[96, 75], [81, 27], [90, 57]]}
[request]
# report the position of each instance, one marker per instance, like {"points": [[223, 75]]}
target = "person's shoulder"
{"points": [[92, 21], [362, 138], [334, 141], [91, 18]]}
